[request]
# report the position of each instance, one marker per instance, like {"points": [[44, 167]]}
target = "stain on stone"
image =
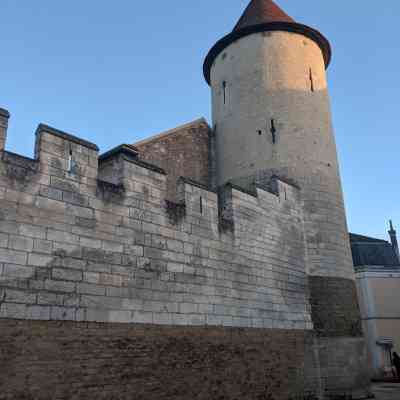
{"points": [[19, 170], [110, 192], [85, 222], [226, 225], [176, 212], [334, 305]]}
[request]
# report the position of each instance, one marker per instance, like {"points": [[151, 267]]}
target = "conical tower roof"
{"points": [[263, 16], [262, 12]]}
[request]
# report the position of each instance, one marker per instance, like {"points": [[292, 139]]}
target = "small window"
{"points": [[70, 162]]}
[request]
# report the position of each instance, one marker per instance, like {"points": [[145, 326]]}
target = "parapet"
{"points": [[69, 168]]}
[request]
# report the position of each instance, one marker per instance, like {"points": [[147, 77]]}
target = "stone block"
{"points": [[66, 274], [3, 240], [86, 288], [8, 226], [188, 308], [42, 246], [62, 314], [19, 296], [45, 298], [40, 260], [141, 317], [92, 243], [13, 257], [62, 237], [37, 312], [21, 243], [11, 271], [15, 311], [60, 286]]}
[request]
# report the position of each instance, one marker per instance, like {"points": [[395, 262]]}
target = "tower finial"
{"points": [[393, 239]]}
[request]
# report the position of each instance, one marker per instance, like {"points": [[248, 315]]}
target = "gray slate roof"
{"points": [[369, 251]]}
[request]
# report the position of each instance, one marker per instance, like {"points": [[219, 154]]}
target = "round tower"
{"points": [[271, 116]]}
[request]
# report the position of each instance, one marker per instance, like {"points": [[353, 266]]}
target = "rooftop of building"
{"points": [[179, 130], [372, 252]]}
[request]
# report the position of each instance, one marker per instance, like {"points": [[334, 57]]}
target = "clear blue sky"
{"points": [[117, 71]]}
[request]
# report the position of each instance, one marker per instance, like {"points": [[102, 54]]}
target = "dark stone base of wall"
{"points": [[339, 342], [66, 360], [41, 360], [343, 368], [334, 307]]}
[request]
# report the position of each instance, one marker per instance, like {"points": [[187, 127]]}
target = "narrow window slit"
{"points": [[259, 132], [312, 81], [70, 161], [201, 205], [273, 131], [224, 90]]}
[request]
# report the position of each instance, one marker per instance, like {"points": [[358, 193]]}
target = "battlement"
{"points": [[93, 238], [73, 166]]}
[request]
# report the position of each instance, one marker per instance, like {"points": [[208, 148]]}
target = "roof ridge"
{"points": [[367, 239]]}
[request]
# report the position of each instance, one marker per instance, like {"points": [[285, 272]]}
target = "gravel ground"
{"points": [[386, 391]]}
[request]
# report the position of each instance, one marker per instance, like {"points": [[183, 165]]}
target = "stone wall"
{"points": [[87, 240], [272, 117], [63, 360], [343, 367], [183, 151], [75, 246]]}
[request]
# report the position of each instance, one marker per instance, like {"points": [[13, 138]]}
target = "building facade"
{"points": [[377, 268], [203, 263]]}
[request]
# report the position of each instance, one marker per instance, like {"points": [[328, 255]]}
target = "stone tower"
{"points": [[271, 117]]}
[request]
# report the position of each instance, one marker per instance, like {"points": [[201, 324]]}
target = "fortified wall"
{"points": [[89, 241], [104, 278], [93, 239]]}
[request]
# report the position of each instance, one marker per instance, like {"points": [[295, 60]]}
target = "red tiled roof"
{"points": [[261, 12]]}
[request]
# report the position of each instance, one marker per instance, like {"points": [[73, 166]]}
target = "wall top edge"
{"points": [[43, 128], [4, 113]]}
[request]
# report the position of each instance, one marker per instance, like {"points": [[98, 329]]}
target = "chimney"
{"points": [[393, 239], [4, 116]]}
